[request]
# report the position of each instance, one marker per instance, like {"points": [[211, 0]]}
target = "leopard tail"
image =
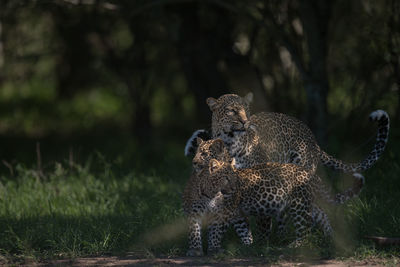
{"points": [[381, 140], [342, 197]]}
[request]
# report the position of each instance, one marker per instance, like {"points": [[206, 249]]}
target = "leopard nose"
{"points": [[243, 121], [196, 166], [224, 191], [242, 117]]}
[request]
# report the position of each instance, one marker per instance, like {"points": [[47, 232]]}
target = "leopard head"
{"points": [[218, 179], [207, 150], [230, 113]]}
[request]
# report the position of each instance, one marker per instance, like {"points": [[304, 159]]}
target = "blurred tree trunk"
{"points": [[277, 18], [311, 64], [1, 50], [73, 69], [394, 47], [140, 124], [315, 16], [132, 68], [139, 93], [6, 10], [130, 65], [200, 50], [136, 74]]}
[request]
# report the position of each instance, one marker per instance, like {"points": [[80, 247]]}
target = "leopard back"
{"points": [[279, 137], [265, 181], [264, 137]]}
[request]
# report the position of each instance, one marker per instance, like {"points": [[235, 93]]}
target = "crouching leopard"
{"points": [[229, 195], [202, 203], [281, 138]]}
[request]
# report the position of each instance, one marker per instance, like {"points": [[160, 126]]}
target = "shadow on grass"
{"points": [[60, 236]]}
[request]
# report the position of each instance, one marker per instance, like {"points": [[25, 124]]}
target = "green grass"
{"points": [[103, 207], [77, 211]]}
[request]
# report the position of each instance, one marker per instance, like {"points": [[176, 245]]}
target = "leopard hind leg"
{"points": [[264, 228], [301, 216], [320, 219], [242, 228]]}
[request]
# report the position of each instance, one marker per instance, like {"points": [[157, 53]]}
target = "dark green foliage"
{"points": [[142, 65]]}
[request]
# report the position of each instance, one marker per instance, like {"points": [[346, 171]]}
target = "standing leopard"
{"points": [[281, 138], [228, 196]]}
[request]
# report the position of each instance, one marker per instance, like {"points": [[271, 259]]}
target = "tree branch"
{"points": [[104, 5], [278, 31]]}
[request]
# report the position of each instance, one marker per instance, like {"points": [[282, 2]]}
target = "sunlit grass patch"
{"points": [[73, 212], [97, 208]]}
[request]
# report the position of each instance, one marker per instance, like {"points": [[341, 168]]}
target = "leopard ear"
{"points": [[233, 163], [199, 141], [213, 166], [212, 103], [219, 145], [248, 98]]}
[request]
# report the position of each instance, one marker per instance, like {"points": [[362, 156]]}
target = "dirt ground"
{"points": [[186, 261]]}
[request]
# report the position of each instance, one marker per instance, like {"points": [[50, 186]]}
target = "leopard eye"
{"points": [[230, 112]]}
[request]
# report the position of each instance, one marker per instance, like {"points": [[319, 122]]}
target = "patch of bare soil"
{"points": [[204, 261]]}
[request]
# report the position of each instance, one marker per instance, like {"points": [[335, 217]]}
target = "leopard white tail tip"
{"points": [[378, 115], [191, 144], [359, 176]]}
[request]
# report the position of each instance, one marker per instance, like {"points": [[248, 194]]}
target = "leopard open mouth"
{"points": [[238, 130], [205, 195], [226, 193], [241, 127]]}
